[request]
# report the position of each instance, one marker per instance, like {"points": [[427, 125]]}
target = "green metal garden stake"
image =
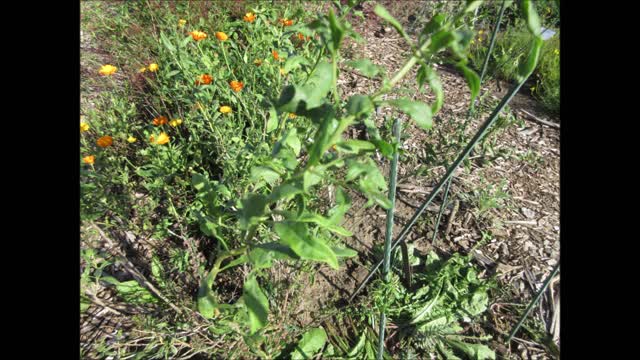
{"points": [[393, 174], [493, 40], [534, 301]]}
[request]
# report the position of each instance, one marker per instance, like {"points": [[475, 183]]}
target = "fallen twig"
{"points": [[541, 121]]}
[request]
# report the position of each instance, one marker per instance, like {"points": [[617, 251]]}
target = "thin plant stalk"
{"points": [[442, 207], [534, 301], [478, 136], [393, 174]]}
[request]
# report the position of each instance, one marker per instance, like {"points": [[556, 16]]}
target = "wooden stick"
{"points": [[541, 121]]}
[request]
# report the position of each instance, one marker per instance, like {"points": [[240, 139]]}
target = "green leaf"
{"points": [[300, 98], [311, 343], [531, 16], [264, 172], [434, 24], [272, 122], [343, 204], [311, 177], [427, 74], [418, 111], [131, 291], [296, 236], [525, 69], [199, 181], [337, 32], [275, 250], [257, 304], [294, 62], [185, 41], [473, 80], [366, 67], [473, 351], [359, 345], [320, 141], [355, 146], [441, 40], [167, 43], [252, 209], [359, 105], [344, 252], [383, 13], [292, 140], [207, 302], [324, 223], [286, 190], [472, 5]]}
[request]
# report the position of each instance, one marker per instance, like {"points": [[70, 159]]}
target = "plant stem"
{"points": [[393, 174], [442, 207], [334, 64], [493, 40]]}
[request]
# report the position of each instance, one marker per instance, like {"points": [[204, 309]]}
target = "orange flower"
{"points": [[204, 79], [160, 120], [249, 17], [198, 35], [286, 22], [105, 141], [292, 116], [221, 36], [89, 159], [275, 55], [257, 62], [236, 85], [301, 36], [106, 70]]}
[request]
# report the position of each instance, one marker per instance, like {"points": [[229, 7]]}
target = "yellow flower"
{"points": [[175, 122], [181, 22], [225, 109], [282, 72], [84, 127], [198, 35], [236, 85], [106, 70], [221, 36], [249, 17], [131, 139], [153, 67], [105, 141], [89, 159], [142, 69], [257, 62], [163, 138], [292, 116]]}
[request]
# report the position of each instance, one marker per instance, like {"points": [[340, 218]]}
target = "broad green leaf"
{"points": [[276, 250], [131, 291], [167, 43], [300, 98], [531, 16], [472, 5], [427, 74], [207, 302], [286, 191], [311, 343], [355, 146], [434, 24], [287, 158], [294, 62], [366, 67], [157, 270], [418, 111], [311, 177], [252, 209], [359, 105], [525, 69], [441, 40], [264, 172], [477, 303], [473, 80], [199, 181], [185, 41], [473, 351], [324, 223], [296, 236], [293, 141], [320, 142], [272, 121], [257, 304], [343, 204], [359, 345], [344, 252], [383, 13]]}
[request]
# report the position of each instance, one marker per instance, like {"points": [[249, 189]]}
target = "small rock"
{"points": [[530, 214], [504, 249]]}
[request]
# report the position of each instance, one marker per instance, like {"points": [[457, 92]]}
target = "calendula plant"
{"points": [[277, 218]]}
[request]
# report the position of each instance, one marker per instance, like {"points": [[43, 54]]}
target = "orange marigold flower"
{"points": [[163, 138], [106, 70], [249, 17], [292, 116], [225, 109], [257, 62], [204, 79], [221, 36], [105, 141], [275, 55], [236, 85], [286, 22], [153, 67], [160, 120], [198, 35], [89, 159], [301, 36]]}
